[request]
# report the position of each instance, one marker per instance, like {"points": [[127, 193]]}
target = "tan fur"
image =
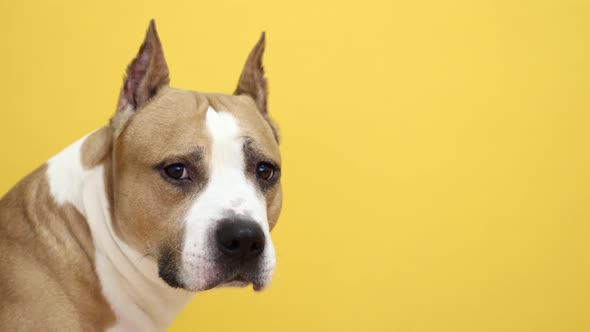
{"points": [[47, 278]]}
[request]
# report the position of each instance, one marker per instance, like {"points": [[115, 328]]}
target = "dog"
{"points": [[177, 194]]}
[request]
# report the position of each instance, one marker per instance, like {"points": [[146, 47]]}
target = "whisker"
{"points": [[141, 258]]}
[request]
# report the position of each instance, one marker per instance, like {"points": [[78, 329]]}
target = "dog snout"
{"points": [[240, 239]]}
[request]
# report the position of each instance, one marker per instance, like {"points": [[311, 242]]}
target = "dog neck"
{"points": [[140, 300]]}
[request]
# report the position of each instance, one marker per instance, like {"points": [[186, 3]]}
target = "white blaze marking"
{"points": [[228, 189]]}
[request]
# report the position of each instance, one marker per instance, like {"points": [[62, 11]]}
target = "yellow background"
{"points": [[436, 153]]}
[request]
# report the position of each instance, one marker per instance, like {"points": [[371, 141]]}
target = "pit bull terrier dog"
{"points": [[177, 194]]}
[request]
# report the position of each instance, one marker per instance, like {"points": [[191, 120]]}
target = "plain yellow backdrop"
{"points": [[436, 153]]}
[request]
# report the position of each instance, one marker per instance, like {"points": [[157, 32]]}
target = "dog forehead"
{"points": [[249, 119], [172, 123], [176, 122]]}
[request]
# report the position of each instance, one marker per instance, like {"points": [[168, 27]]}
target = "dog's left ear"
{"points": [[252, 81], [145, 75]]}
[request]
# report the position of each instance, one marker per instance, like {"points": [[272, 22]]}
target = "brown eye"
{"points": [[176, 171], [265, 171]]}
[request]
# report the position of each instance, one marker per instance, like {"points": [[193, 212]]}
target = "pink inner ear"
{"points": [[145, 74], [135, 73]]}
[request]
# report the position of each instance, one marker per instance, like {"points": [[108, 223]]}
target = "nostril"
{"points": [[235, 244], [255, 246]]}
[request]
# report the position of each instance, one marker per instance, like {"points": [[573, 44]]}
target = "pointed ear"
{"points": [[146, 74], [252, 81]]}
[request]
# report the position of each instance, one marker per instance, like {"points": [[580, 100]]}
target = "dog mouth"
{"points": [[216, 277], [241, 281], [238, 281], [239, 278]]}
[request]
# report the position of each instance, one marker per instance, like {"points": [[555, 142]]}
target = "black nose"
{"points": [[240, 239]]}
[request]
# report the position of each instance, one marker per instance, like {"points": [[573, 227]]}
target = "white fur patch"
{"points": [[65, 174]]}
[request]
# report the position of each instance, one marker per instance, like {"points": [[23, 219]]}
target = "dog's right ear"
{"points": [[145, 75]]}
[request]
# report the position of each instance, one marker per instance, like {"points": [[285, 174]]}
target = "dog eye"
{"points": [[265, 171], [176, 171]]}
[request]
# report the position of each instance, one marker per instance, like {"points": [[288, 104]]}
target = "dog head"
{"points": [[196, 176]]}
